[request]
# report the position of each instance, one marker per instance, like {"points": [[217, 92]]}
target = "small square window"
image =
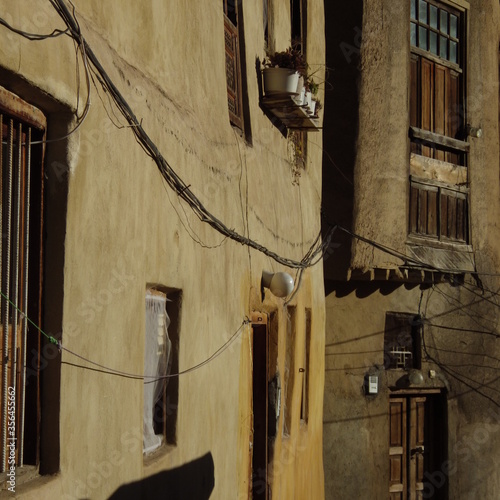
{"points": [[402, 341]]}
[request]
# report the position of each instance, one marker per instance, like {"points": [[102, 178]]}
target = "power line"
{"points": [[173, 180], [112, 371]]}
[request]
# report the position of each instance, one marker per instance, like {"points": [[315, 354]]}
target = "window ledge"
{"points": [[446, 257], [292, 115]]}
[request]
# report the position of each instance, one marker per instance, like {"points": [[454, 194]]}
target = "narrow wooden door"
{"points": [[407, 447]]}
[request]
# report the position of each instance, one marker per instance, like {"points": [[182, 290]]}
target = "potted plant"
{"points": [[310, 96], [282, 71]]}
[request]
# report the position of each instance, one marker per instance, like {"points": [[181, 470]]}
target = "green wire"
{"points": [[51, 339]]}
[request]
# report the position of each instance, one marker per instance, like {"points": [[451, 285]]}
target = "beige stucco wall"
{"points": [[125, 228]]}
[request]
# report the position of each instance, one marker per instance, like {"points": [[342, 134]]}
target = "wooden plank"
{"points": [[414, 91], [455, 119], [413, 210], [461, 219], [440, 105], [397, 449], [432, 212], [440, 109], [443, 216], [452, 217], [426, 100], [422, 211], [440, 140]]}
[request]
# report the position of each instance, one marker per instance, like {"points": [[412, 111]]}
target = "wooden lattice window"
{"points": [[233, 64]]}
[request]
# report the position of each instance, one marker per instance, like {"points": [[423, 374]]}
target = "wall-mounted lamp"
{"points": [[280, 284], [476, 132], [415, 377]]}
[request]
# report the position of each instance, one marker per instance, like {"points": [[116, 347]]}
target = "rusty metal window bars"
{"points": [[20, 249]]}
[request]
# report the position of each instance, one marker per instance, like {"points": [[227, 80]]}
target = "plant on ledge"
{"points": [[291, 59], [282, 71]]}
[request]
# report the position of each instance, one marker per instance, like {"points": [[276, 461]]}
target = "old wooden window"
{"points": [[402, 341], [437, 121], [21, 163], [437, 92], [439, 211], [233, 62]]}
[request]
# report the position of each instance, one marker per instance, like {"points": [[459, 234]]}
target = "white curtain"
{"points": [[157, 361]]}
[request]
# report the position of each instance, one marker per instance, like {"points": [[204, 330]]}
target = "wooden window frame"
{"points": [[438, 95], [233, 62], [434, 216]]}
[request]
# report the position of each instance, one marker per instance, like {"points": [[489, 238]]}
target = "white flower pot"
{"points": [[280, 81], [312, 107]]}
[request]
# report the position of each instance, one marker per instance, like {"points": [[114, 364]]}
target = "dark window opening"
{"points": [[402, 344], [161, 364]]}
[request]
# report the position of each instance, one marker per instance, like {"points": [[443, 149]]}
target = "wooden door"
{"points": [[407, 447]]}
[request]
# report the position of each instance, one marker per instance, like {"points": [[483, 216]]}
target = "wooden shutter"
{"points": [[417, 445], [233, 72], [454, 118], [397, 449], [439, 212]]}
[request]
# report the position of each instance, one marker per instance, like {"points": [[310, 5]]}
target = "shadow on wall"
{"points": [[194, 481]]}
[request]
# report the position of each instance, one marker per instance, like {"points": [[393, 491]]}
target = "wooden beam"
{"points": [[431, 138]]}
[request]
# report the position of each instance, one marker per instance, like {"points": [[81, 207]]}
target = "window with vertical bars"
{"points": [[402, 343], [21, 163]]}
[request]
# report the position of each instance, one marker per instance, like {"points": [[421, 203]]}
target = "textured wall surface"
{"points": [[461, 323]]}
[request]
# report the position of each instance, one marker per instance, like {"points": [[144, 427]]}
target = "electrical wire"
{"points": [[34, 37], [112, 371], [166, 170], [460, 378]]}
